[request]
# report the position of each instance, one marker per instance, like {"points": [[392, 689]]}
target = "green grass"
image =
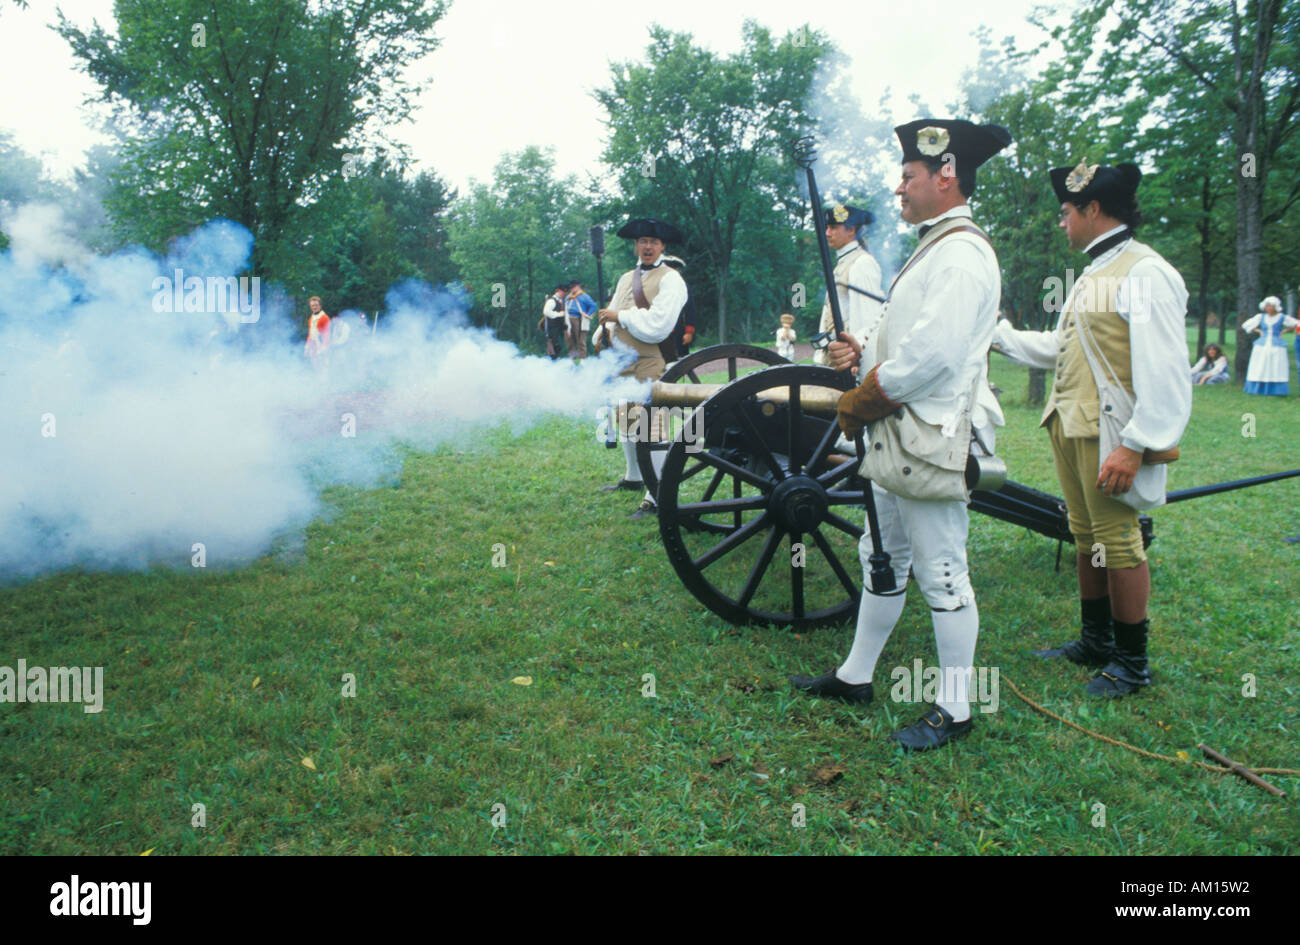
{"points": [[397, 586]]}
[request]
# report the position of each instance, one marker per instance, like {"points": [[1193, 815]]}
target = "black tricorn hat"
{"points": [[561, 287], [841, 214], [928, 139], [647, 226], [1087, 182]]}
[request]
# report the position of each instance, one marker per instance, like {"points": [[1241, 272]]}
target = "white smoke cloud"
{"points": [[132, 433], [858, 156]]}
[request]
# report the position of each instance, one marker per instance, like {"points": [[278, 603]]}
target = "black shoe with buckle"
{"points": [[935, 730], [630, 484], [830, 686], [1121, 677], [646, 508]]}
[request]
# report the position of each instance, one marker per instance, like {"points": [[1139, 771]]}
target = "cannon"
{"points": [[760, 512]]}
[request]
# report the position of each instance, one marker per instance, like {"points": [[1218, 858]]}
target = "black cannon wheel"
{"points": [[689, 370], [765, 477]]}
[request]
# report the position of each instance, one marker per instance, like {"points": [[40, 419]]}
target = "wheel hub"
{"points": [[798, 503]]}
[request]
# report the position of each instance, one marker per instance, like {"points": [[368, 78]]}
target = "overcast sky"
{"points": [[510, 73]]}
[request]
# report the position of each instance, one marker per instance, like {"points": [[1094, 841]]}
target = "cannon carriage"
{"points": [[760, 509]]}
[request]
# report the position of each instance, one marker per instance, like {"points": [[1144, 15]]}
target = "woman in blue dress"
{"points": [[1269, 367]]}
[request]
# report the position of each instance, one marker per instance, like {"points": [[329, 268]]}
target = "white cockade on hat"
{"points": [[932, 141], [1080, 177]]}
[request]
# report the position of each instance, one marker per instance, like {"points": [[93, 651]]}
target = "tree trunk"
{"points": [[722, 305], [1204, 227], [1248, 243], [1037, 391], [1252, 172]]}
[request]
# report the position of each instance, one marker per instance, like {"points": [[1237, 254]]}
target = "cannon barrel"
{"points": [[817, 401]]}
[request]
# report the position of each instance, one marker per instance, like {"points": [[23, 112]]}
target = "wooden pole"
{"points": [[1241, 770]]}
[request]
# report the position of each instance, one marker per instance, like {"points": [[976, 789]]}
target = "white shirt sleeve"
{"points": [[1289, 322], [1037, 349], [863, 313], [936, 347], [652, 325], [1153, 300], [1252, 323]]}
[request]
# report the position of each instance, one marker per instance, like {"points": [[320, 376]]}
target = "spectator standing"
{"points": [[553, 322], [1268, 370], [318, 332], [579, 307]]}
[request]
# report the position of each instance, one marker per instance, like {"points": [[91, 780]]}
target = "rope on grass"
{"points": [[1133, 748]]}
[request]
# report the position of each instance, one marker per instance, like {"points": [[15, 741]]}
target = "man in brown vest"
{"points": [[1125, 313], [642, 313]]}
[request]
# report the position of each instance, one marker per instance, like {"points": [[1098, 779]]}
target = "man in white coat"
{"points": [[928, 356], [1127, 308], [857, 275]]}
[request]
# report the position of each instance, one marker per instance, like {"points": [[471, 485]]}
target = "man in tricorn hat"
{"points": [[1125, 313], [642, 313], [856, 273], [926, 363]]}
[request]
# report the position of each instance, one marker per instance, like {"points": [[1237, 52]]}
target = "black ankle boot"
{"points": [[1096, 643], [1128, 671]]}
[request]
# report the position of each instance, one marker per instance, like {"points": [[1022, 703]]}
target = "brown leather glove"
{"points": [[866, 402]]}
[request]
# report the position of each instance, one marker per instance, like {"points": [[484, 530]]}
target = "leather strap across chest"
{"points": [[638, 292], [923, 250]]}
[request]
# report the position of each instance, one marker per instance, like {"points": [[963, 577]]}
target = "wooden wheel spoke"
{"points": [[756, 438], [742, 504], [839, 473], [760, 568], [731, 542], [845, 497], [735, 494], [718, 475], [695, 378], [736, 472], [823, 445], [796, 427], [846, 527], [849, 584], [688, 473], [796, 578]]}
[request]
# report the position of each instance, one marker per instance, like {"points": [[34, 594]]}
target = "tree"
{"points": [[705, 141], [245, 109], [370, 228], [1242, 61], [1014, 199], [514, 238]]}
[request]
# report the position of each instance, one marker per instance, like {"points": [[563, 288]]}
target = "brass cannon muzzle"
{"points": [[818, 401]]}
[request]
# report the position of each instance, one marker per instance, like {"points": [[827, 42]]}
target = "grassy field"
{"points": [[225, 689]]}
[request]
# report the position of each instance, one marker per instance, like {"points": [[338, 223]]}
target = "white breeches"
{"points": [[929, 538]]}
